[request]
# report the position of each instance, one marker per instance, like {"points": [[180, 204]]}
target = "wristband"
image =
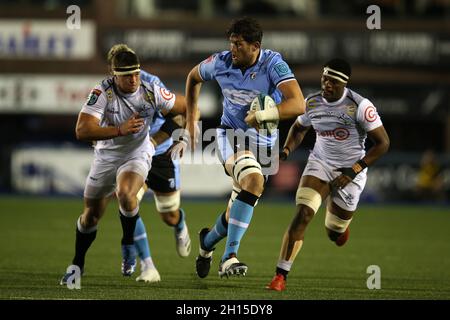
{"points": [[359, 166], [271, 114]]}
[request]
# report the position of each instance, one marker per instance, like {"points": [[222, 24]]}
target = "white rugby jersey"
{"points": [[112, 108], [341, 126]]}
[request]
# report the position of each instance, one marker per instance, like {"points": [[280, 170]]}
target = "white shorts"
{"points": [[346, 198], [102, 178]]}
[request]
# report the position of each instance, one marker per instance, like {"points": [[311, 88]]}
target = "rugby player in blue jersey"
{"points": [[242, 73]]}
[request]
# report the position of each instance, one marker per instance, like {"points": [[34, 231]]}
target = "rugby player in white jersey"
{"points": [[163, 179], [336, 167], [117, 115]]}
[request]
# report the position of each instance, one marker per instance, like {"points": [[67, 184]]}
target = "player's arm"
{"points": [[179, 106], [88, 128], [170, 125], [295, 137], [293, 103], [193, 86], [381, 143]]}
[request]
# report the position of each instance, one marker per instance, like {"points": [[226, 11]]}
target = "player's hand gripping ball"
{"points": [[264, 102]]}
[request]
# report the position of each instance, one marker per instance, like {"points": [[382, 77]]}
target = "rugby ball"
{"points": [[263, 102]]}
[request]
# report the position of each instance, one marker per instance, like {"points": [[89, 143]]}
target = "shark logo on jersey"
{"points": [[146, 111]]}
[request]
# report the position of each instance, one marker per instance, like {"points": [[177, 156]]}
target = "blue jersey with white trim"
{"points": [[239, 89], [159, 119]]}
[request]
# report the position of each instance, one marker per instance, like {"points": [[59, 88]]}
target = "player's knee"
{"points": [[302, 218], [233, 196], [89, 220], [308, 197], [253, 183], [170, 218], [247, 173], [335, 225], [126, 200], [167, 203]]}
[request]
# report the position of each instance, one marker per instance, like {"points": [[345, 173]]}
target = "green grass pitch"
{"points": [[410, 244]]}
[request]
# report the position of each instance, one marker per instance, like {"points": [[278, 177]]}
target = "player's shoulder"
{"points": [[355, 97], [313, 95], [270, 57], [313, 99], [148, 78], [99, 91], [219, 57]]}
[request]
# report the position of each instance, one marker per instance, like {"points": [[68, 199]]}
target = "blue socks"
{"points": [[217, 233], [241, 213], [180, 225], [140, 236], [140, 240]]}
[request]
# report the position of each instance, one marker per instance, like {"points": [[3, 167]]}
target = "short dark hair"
{"points": [[248, 28], [340, 65], [124, 59]]}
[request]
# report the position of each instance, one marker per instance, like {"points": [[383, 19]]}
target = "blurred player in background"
{"points": [[118, 115], [430, 180], [337, 166], [242, 73], [164, 180]]}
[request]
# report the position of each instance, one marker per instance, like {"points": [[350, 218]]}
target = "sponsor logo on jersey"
{"points": [[370, 114], [341, 133], [338, 133], [93, 97], [253, 75], [112, 110], [240, 97]]}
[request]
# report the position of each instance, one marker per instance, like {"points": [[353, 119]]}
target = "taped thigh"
{"points": [[308, 197], [334, 223], [167, 203], [245, 165]]}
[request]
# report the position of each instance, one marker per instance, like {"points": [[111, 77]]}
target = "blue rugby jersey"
{"points": [[240, 89], [159, 119]]}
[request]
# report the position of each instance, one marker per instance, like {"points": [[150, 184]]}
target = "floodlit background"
{"points": [[47, 70]]}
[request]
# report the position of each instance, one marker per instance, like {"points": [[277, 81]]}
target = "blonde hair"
{"points": [[115, 49]]}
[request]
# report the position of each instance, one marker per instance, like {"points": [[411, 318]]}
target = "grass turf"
{"points": [[410, 244]]}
